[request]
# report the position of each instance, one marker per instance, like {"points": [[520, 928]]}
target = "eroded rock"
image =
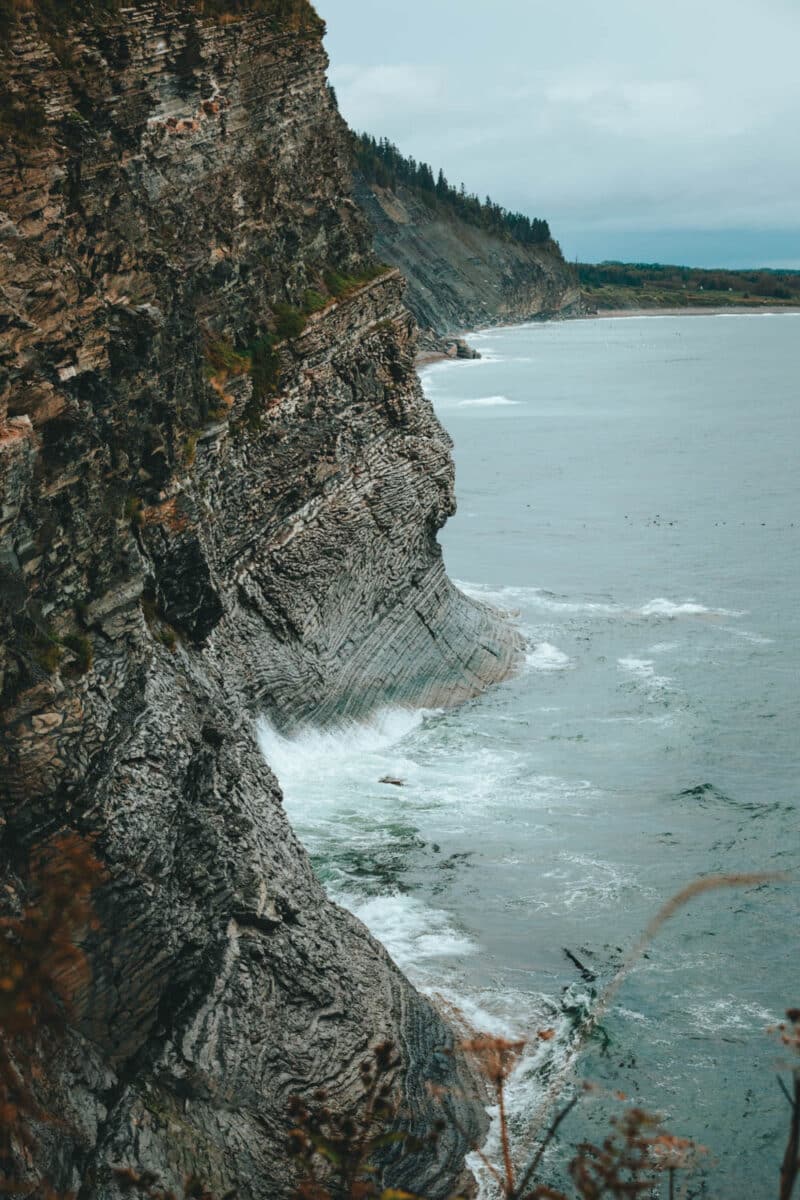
{"points": [[214, 542]]}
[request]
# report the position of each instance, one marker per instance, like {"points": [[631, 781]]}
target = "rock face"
{"points": [[209, 510], [461, 277]]}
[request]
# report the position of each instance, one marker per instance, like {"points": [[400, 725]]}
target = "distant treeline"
{"points": [[382, 163], [763, 284]]}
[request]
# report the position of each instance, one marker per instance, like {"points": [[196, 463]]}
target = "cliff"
{"points": [[462, 277], [220, 488]]}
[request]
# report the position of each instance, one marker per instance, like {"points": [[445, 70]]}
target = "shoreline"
{"points": [[427, 358], [688, 311]]}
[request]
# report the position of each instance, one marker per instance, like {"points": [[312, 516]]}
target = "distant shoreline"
{"points": [[687, 311], [427, 358]]}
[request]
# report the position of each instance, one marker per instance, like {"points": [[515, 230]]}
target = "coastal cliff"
{"points": [[220, 488], [460, 276]]}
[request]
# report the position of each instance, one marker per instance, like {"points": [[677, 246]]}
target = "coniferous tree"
{"points": [[382, 163]]}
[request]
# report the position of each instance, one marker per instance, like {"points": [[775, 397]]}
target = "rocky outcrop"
{"points": [[211, 507], [461, 277]]}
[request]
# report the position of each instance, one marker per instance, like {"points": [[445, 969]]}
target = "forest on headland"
{"points": [[604, 286], [381, 163]]}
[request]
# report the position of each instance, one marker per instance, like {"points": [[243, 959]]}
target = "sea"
{"points": [[628, 496]]}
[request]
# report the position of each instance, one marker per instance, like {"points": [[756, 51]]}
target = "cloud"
{"points": [[601, 117], [373, 95]]}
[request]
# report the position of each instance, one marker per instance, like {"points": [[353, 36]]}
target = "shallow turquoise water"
{"points": [[627, 490]]}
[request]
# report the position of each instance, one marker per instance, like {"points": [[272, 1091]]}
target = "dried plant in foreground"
{"points": [[630, 1158], [42, 970], [697, 887], [789, 1032]]}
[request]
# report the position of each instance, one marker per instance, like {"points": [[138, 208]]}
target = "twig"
{"points": [[791, 1159], [527, 1174], [504, 1141], [698, 887]]}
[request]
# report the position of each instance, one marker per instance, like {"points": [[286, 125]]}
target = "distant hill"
{"points": [[468, 262], [617, 285]]}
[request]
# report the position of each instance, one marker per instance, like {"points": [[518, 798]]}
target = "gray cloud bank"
{"points": [[627, 123]]}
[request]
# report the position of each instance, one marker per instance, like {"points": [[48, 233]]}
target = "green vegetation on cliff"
{"points": [[381, 163], [610, 285]]}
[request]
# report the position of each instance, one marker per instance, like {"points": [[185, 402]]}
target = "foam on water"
{"points": [[688, 608], [487, 402], [729, 1013], [757, 639], [311, 751], [644, 671], [671, 686], [413, 932], [546, 657], [511, 597]]}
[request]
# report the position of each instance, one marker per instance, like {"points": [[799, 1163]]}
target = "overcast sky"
{"points": [[648, 130]]}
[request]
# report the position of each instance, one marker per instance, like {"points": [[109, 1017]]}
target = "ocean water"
{"points": [[628, 495]]}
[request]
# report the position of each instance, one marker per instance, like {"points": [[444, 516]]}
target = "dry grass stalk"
{"points": [[789, 1032], [697, 887]]}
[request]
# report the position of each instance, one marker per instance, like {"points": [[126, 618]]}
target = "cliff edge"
{"points": [[461, 276], [220, 488]]}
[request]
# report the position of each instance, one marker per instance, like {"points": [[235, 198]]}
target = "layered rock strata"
{"points": [[461, 277], [211, 508]]}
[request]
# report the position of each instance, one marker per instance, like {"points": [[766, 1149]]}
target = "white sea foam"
{"points": [[717, 1014], [498, 1013], [688, 608], [578, 881], [546, 657], [412, 932], [526, 1091], [511, 598], [757, 639], [644, 671], [487, 402], [533, 597], [313, 750]]}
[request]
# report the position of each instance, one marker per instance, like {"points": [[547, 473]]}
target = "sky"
{"points": [[643, 130]]}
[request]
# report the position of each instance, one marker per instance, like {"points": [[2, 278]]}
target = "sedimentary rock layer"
{"points": [[461, 277], [210, 508]]}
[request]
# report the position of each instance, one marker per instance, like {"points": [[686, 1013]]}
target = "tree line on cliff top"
{"points": [[380, 162]]}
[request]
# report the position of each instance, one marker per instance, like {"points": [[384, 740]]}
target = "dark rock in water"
{"points": [[587, 975], [392, 780], [705, 792], [223, 508]]}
